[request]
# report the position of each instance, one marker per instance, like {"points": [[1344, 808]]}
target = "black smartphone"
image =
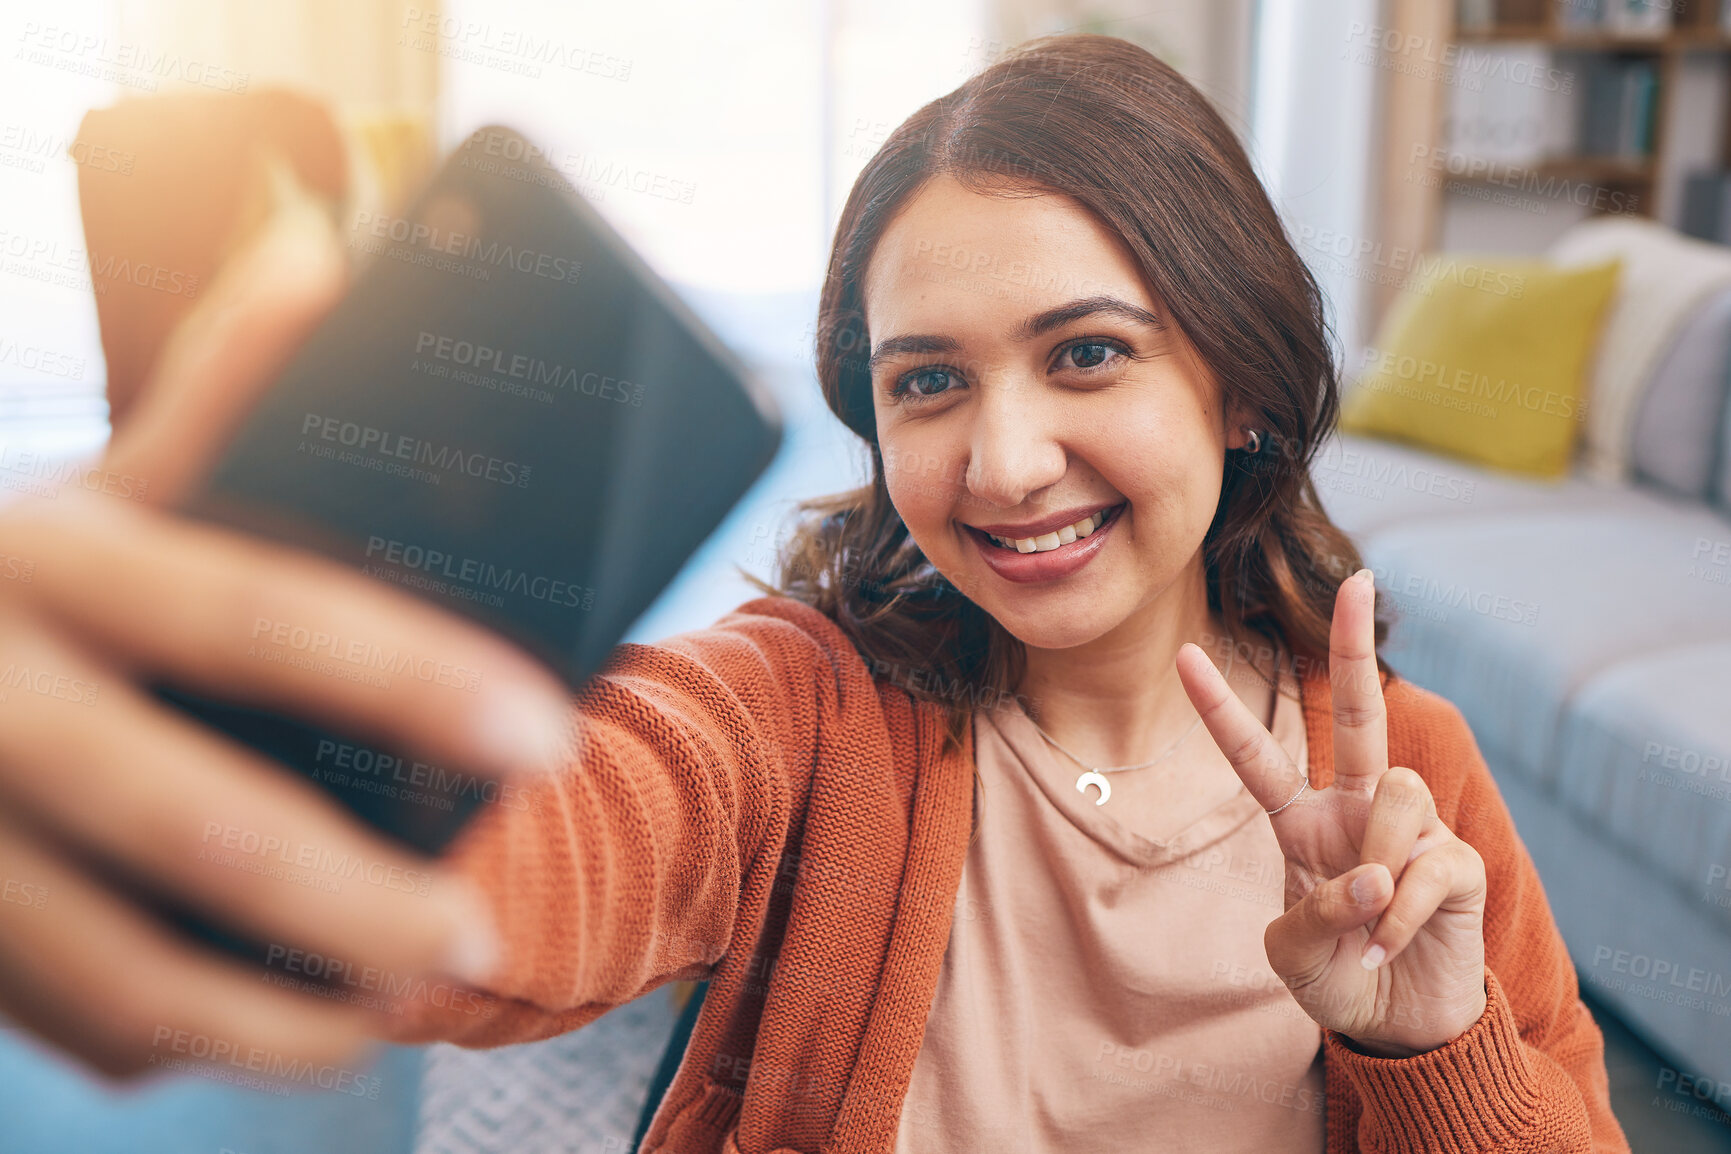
{"points": [[510, 415]]}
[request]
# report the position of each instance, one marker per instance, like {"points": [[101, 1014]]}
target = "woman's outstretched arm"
{"points": [[617, 872], [625, 870]]}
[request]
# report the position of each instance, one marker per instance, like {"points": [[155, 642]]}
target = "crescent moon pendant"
{"points": [[1099, 779]]}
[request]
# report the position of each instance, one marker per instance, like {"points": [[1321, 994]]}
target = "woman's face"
{"points": [[1026, 385]]}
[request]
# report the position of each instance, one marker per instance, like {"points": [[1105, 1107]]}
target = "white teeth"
{"points": [[1046, 542]]}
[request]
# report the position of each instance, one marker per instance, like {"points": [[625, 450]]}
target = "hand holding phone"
{"points": [[114, 593], [399, 432]]}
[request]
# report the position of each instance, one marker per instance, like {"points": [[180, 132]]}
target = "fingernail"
{"points": [[1372, 957], [1366, 888], [1365, 576], [523, 730], [474, 952]]}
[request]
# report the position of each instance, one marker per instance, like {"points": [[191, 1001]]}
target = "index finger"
{"points": [[1261, 764], [217, 613], [1355, 684]]}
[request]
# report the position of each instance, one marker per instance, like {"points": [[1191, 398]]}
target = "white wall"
{"points": [[1313, 126]]}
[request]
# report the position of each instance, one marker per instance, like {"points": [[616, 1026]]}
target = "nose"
{"points": [[1013, 451]]}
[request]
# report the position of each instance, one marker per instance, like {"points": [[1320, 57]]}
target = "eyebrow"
{"points": [[1034, 326]]}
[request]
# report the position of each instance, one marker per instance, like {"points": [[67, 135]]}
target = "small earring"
{"points": [[1255, 445]]}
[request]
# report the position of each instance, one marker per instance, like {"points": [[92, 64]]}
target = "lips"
{"points": [[1049, 564]]}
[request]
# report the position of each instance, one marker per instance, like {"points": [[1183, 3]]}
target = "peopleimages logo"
{"points": [[433, 241], [1662, 979], [1417, 595], [282, 639], [194, 1048], [471, 571], [497, 45], [332, 977], [1385, 371], [520, 366], [37, 147], [380, 443], [1477, 64], [416, 781], [46, 683], [1538, 182], [85, 53], [1425, 270], [41, 360]]}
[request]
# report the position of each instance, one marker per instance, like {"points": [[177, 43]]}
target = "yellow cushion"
{"points": [[1486, 360]]}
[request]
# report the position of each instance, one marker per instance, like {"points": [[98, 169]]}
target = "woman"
{"points": [[935, 822]]}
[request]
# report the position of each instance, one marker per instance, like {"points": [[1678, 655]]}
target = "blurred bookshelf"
{"points": [[1507, 121]]}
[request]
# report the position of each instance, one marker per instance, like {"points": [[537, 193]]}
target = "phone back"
{"points": [[509, 415]]}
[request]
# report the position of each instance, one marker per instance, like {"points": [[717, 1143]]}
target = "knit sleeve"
{"points": [[625, 871], [1529, 1076]]}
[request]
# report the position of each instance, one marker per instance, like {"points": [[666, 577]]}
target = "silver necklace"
{"points": [[1096, 775]]}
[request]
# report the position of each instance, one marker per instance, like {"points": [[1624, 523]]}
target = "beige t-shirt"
{"points": [[1105, 986]]}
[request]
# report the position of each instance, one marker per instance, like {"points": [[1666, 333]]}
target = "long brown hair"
{"points": [[1105, 123]]}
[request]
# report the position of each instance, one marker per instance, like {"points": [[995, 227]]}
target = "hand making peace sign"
{"points": [[1383, 935]]}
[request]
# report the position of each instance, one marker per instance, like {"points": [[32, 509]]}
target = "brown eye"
{"points": [[1088, 354], [927, 382]]}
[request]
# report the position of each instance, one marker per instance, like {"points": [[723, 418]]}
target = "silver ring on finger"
{"points": [[1304, 786]]}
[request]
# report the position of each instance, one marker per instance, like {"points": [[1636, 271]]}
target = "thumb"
{"points": [[262, 304], [1301, 943]]}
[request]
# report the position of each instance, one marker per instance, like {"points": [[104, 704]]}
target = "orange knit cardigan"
{"points": [[748, 805]]}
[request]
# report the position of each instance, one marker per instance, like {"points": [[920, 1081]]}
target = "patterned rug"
{"points": [[579, 1093]]}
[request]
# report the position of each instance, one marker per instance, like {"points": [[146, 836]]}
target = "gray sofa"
{"points": [[1584, 629]]}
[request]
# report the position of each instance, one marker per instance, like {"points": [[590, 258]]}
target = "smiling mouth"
{"points": [[1047, 542]]}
